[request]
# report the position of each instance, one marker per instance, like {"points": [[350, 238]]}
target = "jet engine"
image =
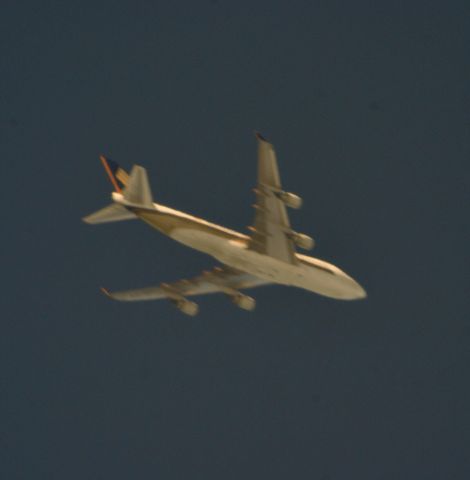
{"points": [[290, 199], [244, 301], [302, 240], [187, 307]]}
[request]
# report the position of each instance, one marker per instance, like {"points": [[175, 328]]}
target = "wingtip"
{"points": [[106, 292], [260, 137]]}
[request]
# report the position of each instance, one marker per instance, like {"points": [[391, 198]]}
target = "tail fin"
{"points": [[119, 177], [131, 191], [135, 187], [137, 191]]}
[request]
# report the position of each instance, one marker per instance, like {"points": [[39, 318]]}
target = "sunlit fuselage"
{"points": [[232, 249]]}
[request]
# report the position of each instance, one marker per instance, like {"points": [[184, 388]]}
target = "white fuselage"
{"points": [[309, 273]]}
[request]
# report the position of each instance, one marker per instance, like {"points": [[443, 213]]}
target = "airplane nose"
{"points": [[362, 293], [353, 291], [359, 292]]}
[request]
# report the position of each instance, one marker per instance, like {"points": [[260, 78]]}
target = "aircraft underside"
{"points": [[328, 281], [265, 257]]}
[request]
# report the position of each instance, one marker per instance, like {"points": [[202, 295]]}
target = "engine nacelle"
{"points": [[290, 199], [187, 307], [244, 301], [303, 241]]}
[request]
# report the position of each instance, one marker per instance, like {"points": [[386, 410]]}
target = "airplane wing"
{"points": [[220, 279], [271, 229]]}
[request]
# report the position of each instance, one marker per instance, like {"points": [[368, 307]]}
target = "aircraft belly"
{"points": [[235, 254]]}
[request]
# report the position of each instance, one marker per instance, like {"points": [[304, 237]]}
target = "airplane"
{"points": [[266, 256]]}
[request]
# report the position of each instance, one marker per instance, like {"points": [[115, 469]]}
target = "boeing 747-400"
{"points": [[266, 256]]}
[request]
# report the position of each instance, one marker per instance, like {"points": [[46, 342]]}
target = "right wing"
{"points": [[271, 228], [220, 279]]}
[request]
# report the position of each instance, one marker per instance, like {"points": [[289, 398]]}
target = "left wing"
{"points": [[220, 279]]}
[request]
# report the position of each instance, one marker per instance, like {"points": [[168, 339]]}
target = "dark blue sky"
{"points": [[368, 106]]}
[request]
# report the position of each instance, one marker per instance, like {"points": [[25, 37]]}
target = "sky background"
{"points": [[368, 106]]}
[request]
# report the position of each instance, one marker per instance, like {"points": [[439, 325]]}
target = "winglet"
{"points": [[138, 190], [260, 137], [106, 292]]}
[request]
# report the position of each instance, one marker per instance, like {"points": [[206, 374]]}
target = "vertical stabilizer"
{"points": [[116, 174]]}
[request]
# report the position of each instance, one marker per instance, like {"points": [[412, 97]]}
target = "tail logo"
{"points": [[116, 174]]}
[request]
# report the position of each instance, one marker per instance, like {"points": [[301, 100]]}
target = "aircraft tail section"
{"points": [[134, 187], [117, 175], [131, 190]]}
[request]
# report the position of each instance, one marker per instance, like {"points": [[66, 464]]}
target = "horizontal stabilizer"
{"points": [[111, 213]]}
